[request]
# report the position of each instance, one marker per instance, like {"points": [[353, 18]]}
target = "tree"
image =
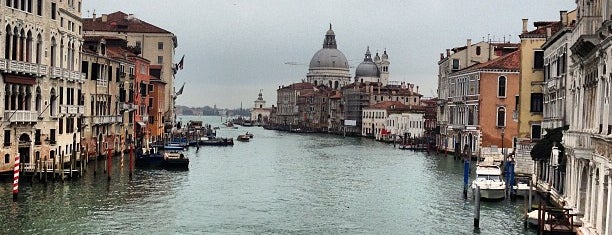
{"points": [[541, 151]]}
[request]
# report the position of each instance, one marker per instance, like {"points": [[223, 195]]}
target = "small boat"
{"points": [[489, 180], [243, 138], [175, 160], [250, 135]]}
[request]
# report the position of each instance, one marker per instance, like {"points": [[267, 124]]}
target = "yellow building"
{"points": [[531, 99]]}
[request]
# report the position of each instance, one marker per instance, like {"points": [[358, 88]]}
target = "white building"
{"points": [[411, 124], [374, 118], [581, 179], [40, 77], [260, 114]]}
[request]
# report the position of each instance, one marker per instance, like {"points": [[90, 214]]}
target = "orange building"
{"points": [[483, 101], [156, 112]]}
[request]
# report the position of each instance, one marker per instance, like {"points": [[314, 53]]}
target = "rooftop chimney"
{"points": [[563, 18], [94, 15], [525, 25], [447, 52], [104, 17], [441, 56], [548, 32], [468, 52]]}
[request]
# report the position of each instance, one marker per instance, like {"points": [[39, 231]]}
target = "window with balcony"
{"points": [[501, 117], [7, 137], [501, 87]]}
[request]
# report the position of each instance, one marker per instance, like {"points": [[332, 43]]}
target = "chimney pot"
{"points": [[104, 17], [525, 21], [548, 32], [563, 17]]}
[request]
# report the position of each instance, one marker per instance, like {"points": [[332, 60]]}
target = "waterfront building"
{"points": [[480, 100], [156, 45], [580, 178], [313, 109], [457, 59], [156, 112], [102, 120], [287, 113], [355, 97], [375, 118], [329, 66], [410, 124], [336, 112], [259, 113], [41, 80], [531, 96]]}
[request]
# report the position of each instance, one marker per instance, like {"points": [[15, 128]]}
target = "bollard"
{"points": [[16, 179], [477, 209]]}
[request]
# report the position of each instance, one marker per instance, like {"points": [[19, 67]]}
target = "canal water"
{"points": [[278, 183]]}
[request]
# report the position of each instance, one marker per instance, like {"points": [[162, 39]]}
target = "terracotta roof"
{"points": [[510, 61], [297, 86], [120, 22], [118, 52], [541, 27]]}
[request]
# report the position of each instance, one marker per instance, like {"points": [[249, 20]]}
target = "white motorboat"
{"points": [[489, 180]]}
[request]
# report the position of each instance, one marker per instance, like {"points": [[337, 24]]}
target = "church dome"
{"points": [[367, 68], [329, 56]]}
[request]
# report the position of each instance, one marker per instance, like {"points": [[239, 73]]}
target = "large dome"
{"points": [[328, 58]]}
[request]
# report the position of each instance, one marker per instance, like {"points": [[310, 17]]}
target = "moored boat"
{"points": [[175, 160], [149, 158], [489, 180]]}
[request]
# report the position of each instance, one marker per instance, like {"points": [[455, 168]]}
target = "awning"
{"points": [[142, 124]]}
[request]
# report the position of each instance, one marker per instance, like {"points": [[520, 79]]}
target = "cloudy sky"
{"points": [[235, 48]]}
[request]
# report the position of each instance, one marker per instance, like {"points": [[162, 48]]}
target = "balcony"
{"points": [[72, 109], [66, 74], [20, 116], [13, 66], [552, 84], [110, 119]]}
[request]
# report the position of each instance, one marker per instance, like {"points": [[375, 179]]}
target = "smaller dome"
{"points": [[385, 56], [377, 58], [367, 69]]}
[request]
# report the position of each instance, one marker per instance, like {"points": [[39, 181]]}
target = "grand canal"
{"points": [[279, 183]]}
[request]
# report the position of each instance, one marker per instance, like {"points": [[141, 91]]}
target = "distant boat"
{"points": [[243, 138], [205, 141]]}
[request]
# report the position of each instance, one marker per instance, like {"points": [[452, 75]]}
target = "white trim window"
{"points": [[501, 117], [502, 84]]}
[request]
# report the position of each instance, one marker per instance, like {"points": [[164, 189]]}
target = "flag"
{"points": [[180, 63], [180, 91]]}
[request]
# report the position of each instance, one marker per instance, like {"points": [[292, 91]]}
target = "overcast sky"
{"points": [[235, 48]]}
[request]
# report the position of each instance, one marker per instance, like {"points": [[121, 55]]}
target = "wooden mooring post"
{"points": [[131, 160], [109, 158], [477, 208]]}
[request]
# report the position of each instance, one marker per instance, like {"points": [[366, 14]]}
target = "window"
{"points": [[536, 131], [39, 7], [455, 64], [52, 136], [7, 158], [53, 10], [501, 86], [160, 46], [160, 59], [538, 59], [501, 116], [478, 50], [37, 137], [138, 44], [537, 102], [61, 126], [7, 137]]}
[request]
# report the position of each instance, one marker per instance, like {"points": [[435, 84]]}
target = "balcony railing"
{"points": [[66, 74], [20, 116], [106, 119], [72, 109], [13, 66]]}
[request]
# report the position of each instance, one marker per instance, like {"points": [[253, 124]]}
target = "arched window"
{"points": [[336, 85], [7, 43], [501, 116], [53, 48], [38, 100], [501, 86]]}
